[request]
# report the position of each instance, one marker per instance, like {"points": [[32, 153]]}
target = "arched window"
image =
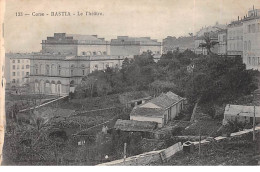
{"points": [[253, 61], [52, 69], [88, 53], [47, 69], [72, 70], [36, 69], [83, 69], [59, 69], [99, 53]]}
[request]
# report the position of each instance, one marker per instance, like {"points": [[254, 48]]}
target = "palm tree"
{"points": [[209, 43]]}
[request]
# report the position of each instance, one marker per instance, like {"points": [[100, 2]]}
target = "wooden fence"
{"points": [[148, 157]]}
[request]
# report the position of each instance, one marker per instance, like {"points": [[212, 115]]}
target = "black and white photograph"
{"points": [[130, 83]]}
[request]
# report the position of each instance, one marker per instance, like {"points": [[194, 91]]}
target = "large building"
{"points": [[17, 69], [59, 74], [65, 59], [75, 44], [222, 42], [235, 38], [182, 43], [251, 35]]}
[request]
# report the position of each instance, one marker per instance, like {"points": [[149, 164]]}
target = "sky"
{"points": [[152, 18]]}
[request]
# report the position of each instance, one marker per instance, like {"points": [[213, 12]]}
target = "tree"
{"points": [[209, 43]]}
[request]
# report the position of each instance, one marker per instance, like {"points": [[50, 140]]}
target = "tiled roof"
{"points": [[165, 100], [148, 112], [132, 125], [242, 110]]}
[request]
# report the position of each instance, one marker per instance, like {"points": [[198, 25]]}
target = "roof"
{"points": [[157, 106], [132, 125], [19, 55], [134, 40], [84, 37], [147, 112], [242, 110], [166, 100]]}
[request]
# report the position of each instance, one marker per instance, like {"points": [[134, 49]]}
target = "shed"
{"points": [[241, 113]]}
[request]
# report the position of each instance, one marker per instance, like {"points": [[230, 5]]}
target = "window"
{"points": [[249, 45], [22, 66], [83, 72], [22, 73], [72, 70], [59, 69], [27, 73], [13, 73], [249, 60], [18, 67], [18, 73], [253, 28], [248, 29], [13, 81], [104, 53], [47, 69], [94, 53], [18, 61], [27, 66], [245, 45], [258, 27], [13, 66], [17, 80], [253, 61], [13, 61], [258, 60], [36, 71], [83, 53]]}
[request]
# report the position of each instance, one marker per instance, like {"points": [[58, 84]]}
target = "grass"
{"points": [[206, 127], [92, 103], [233, 151]]}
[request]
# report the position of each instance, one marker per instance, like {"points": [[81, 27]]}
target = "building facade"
{"points": [[222, 42], [60, 74], [251, 32], [75, 44], [235, 38], [17, 69]]}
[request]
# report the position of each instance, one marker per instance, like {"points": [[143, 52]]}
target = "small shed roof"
{"points": [[166, 100], [132, 125], [240, 110]]}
